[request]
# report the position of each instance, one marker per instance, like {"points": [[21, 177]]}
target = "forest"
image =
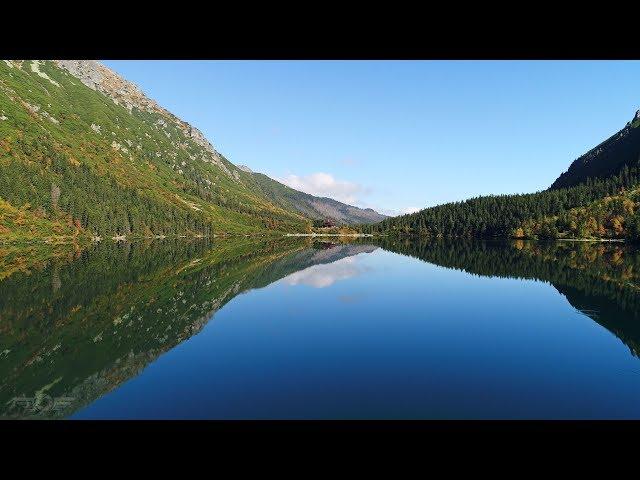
{"points": [[595, 277], [598, 208], [76, 164]]}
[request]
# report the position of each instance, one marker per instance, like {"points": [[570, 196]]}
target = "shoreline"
{"points": [[85, 240], [615, 240], [328, 235]]}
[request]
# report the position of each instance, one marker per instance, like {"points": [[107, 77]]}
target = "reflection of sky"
{"points": [[321, 276], [407, 340]]}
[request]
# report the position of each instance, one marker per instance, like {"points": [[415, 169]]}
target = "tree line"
{"points": [[528, 215]]}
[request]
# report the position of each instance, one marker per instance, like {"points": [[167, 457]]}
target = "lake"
{"points": [[305, 328]]}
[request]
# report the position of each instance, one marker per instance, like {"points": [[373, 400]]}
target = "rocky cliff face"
{"points": [[123, 92]]}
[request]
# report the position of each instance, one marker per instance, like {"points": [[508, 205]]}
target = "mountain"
{"points": [[84, 152], [71, 332], [596, 198], [317, 208], [599, 280], [606, 159]]}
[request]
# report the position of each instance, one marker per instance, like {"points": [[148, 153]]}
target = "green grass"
{"points": [[159, 185], [24, 225]]}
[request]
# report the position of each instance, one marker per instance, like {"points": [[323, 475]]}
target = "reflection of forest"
{"points": [[600, 279], [74, 325]]}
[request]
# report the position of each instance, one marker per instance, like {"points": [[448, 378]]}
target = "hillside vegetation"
{"points": [[606, 159], [612, 217], [600, 201], [71, 151], [21, 223], [84, 152]]}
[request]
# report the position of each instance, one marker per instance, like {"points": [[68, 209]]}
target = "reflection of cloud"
{"points": [[321, 276], [325, 185]]}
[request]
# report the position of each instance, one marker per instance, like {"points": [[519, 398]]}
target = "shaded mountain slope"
{"points": [[606, 159], [565, 209]]}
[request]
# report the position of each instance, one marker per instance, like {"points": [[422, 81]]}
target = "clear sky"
{"points": [[398, 135]]}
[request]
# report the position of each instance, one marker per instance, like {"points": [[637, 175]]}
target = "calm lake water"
{"points": [[308, 329]]}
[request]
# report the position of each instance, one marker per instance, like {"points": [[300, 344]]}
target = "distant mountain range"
{"points": [[314, 207], [85, 152]]}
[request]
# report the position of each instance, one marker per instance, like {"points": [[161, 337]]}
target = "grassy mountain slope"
{"points": [[79, 158], [21, 223]]}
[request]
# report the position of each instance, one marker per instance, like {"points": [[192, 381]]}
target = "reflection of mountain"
{"points": [[321, 253], [325, 273], [79, 327], [600, 280]]}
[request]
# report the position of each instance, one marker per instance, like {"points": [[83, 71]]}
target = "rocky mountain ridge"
{"points": [[98, 77]]}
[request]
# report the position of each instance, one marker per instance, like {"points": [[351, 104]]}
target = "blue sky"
{"points": [[398, 135]]}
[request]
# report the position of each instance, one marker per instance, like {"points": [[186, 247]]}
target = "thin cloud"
{"points": [[402, 211], [326, 185], [409, 210]]}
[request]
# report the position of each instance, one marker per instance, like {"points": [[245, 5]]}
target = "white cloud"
{"points": [[325, 185], [402, 211], [409, 210]]}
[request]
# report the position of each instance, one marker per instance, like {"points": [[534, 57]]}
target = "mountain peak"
{"points": [[98, 77]]}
